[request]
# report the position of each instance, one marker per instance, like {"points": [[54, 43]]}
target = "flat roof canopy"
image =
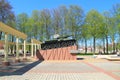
{"points": [[9, 30], [36, 41], [3, 42]]}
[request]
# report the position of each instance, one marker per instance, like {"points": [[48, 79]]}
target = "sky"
{"points": [[27, 6]]}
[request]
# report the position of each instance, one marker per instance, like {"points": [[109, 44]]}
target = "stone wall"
{"points": [[62, 53]]}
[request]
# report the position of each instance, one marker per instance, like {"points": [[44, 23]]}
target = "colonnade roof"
{"points": [[14, 43], [2, 41], [36, 41], [9, 30]]}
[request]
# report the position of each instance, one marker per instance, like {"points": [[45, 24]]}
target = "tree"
{"points": [[21, 21], [116, 15], [64, 20], [29, 30], [11, 22], [76, 16], [5, 12], [45, 19], [112, 31], [93, 19], [56, 21], [85, 35], [106, 27], [36, 22]]}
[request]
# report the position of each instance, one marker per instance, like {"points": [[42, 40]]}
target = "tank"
{"points": [[58, 42]]}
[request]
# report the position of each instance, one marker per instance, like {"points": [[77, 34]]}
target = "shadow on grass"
{"points": [[22, 70]]}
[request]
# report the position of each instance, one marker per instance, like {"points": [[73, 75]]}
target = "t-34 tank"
{"points": [[58, 42]]}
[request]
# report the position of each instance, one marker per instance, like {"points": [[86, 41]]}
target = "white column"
{"points": [[13, 49], [24, 48], [38, 47], [9, 49], [35, 50], [31, 48], [17, 48], [6, 48]]}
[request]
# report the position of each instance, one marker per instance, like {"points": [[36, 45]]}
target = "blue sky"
{"points": [[27, 6]]}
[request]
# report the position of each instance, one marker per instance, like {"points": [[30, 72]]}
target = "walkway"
{"points": [[67, 70]]}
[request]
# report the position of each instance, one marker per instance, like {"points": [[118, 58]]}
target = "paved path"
{"points": [[66, 70]]}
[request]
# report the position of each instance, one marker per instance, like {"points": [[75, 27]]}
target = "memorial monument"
{"points": [[58, 49]]}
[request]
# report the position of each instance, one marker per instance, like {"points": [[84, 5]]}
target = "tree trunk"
{"points": [[94, 45], [106, 44], [85, 46], [113, 45], [103, 45]]}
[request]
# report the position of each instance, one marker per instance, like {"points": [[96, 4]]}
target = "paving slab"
{"points": [[68, 70], [60, 76], [117, 73], [62, 67], [109, 66]]}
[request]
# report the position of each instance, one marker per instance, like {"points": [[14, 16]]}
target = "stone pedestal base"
{"points": [[17, 60], [5, 63]]}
